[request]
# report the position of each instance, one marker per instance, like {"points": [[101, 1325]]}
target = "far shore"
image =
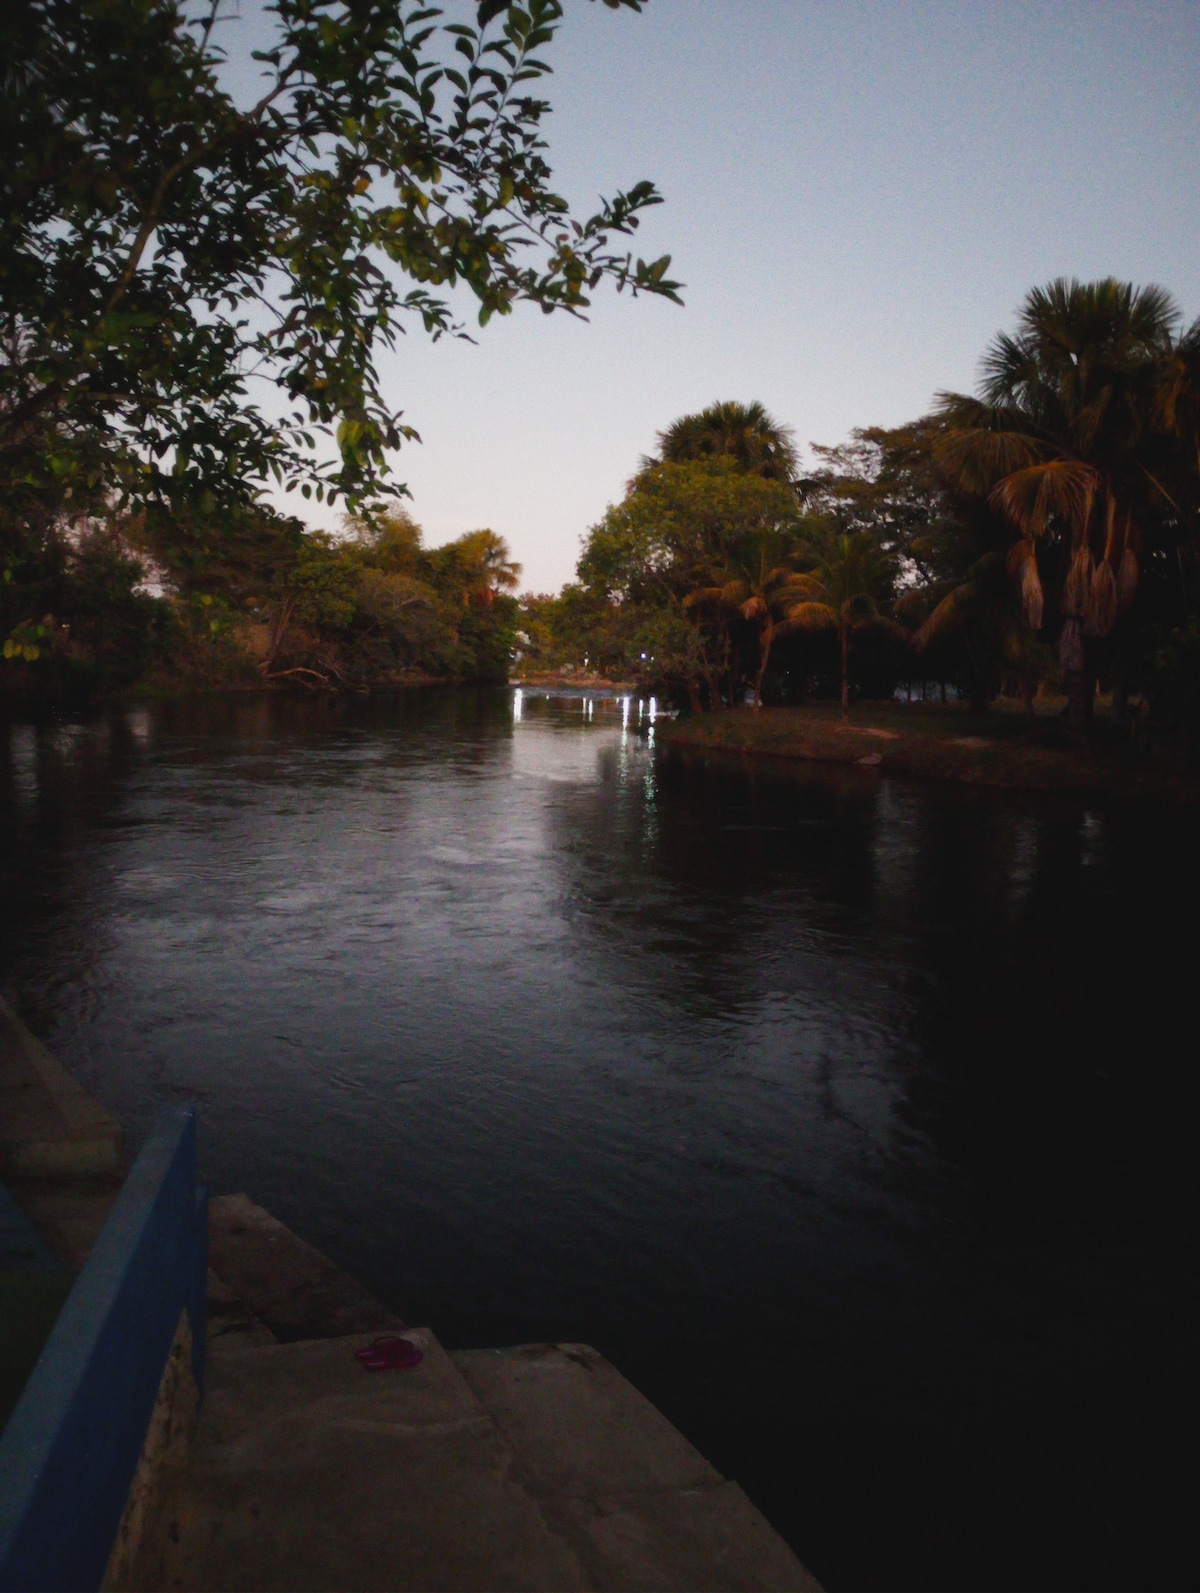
{"points": [[1005, 747], [579, 681]]}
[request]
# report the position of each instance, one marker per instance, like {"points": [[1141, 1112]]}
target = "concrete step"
{"points": [[310, 1473], [534, 1468], [639, 1505], [50, 1127]]}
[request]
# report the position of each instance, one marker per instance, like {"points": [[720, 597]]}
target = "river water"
{"points": [[853, 1119]]}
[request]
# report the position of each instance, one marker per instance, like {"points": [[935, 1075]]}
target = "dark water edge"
{"points": [[852, 1118]]}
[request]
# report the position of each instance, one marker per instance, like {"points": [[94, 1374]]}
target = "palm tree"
{"points": [[840, 595], [762, 589], [1177, 409], [980, 610], [747, 433], [1055, 441], [482, 563]]}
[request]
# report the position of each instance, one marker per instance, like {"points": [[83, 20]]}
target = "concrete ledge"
{"points": [[538, 1468], [640, 1506], [293, 1290], [309, 1474], [50, 1127]]}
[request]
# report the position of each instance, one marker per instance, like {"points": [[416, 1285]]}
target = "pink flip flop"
{"points": [[390, 1353]]}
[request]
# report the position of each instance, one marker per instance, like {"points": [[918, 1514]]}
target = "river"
{"points": [[853, 1119]]}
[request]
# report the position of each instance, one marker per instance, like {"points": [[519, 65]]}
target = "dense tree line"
{"points": [[263, 601], [1043, 534]]}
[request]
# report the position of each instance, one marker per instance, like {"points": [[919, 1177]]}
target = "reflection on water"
{"points": [[848, 1116]]}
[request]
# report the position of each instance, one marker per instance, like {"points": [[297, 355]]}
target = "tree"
{"points": [[842, 595], [682, 529], [1057, 442], [975, 612], [477, 568], [745, 433], [163, 247], [759, 584], [75, 614], [886, 482], [570, 627]]}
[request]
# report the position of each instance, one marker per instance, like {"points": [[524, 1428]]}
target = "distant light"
{"points": [[643, 655]]}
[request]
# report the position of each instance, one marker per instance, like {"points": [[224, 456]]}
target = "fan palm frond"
{"points": [[704, 595], [809, 616], [950, 613], [1079, 582], [979, 456], [748, 433], [1101, 613], [913, 605], [1062, 487]]}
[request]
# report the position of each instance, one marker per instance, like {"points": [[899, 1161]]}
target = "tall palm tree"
{"points": [[1055, 440], [748, 433], [841, 595]]}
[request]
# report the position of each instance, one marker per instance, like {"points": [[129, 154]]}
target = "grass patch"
{"points": [[936, 741]]}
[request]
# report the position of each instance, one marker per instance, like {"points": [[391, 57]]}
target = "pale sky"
{"points": [[858, 196]]}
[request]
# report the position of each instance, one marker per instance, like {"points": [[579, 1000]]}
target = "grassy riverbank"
{"points": [[938, 741]]}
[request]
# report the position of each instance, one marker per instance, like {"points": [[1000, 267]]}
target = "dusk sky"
{"points": [[858, 196]]}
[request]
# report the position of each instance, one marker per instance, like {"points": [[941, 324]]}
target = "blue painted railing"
{"points": [[71, 1446]]}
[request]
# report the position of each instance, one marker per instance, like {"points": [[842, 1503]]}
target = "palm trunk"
{"points": [[1078, 680], [764, 654], [1120, 691], [845, 640], [1077, 708]]}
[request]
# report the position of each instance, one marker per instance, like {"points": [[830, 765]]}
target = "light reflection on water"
{"points": [[838, 1111]]}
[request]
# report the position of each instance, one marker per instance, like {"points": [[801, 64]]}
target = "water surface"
{"points": [[852, 1118]]}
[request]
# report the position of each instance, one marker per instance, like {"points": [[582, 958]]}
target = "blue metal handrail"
{"points": [[71, 1446]]}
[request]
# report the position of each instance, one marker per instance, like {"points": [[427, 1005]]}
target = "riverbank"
{"points": [[573, 681], [936, 741]]}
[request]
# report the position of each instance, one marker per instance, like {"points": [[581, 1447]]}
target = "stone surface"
{"points": [[50, 1127], [231, 1323], [640, 1506], [310, 1473], [533, 1468], [290, 1288], [580, 1428], [686, 1540]]}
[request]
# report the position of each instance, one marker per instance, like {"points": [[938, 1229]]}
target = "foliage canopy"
{"points": [[168, 255]]}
